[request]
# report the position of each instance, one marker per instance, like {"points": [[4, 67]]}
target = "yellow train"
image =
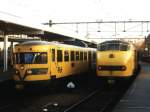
{"points": [[41, 61], [116, 59]]}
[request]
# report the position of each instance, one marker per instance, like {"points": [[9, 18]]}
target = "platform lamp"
{"points": [[77, 31], [147, 27], [124, 30], [98, 28], [50, 23]]}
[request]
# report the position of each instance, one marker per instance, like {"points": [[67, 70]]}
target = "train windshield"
{"points": [[113, 46], [31, 58]]}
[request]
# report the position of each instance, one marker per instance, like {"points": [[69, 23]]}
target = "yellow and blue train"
{"points": [[41, 61], [116, 59]]}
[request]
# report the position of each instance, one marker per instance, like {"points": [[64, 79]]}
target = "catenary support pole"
{"points": [[5, 53]]}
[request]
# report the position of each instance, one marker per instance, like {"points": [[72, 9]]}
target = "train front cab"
{"points": [[31, 65], [117, 61]]}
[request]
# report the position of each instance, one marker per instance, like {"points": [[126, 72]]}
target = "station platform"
{"points": [[137, 98], [5, 76]]}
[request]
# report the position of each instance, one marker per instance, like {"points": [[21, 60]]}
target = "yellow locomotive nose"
{"points": [[111, 56], [112, 68], [22, 67], [116, 59]]}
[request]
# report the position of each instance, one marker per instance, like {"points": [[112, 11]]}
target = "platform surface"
{"points": [[137, 98], [5, 76]]}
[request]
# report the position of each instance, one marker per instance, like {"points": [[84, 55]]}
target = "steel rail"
{"points": [[81, 101]]}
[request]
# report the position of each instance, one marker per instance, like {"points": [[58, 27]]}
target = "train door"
{"points": [[66, 63], [89, 59], [93, 60], [73, 62], [59, 62], [135, 59], [148, 46], [53, 63]]}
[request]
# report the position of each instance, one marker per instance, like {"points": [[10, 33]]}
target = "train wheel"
{"points": [[19, 87], [111, 81]]}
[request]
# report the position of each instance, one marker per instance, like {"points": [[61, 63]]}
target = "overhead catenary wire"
{"points": [[6, 13]]}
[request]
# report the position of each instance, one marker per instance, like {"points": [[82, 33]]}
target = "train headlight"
{"points": [[123, 68], [29, 71], [17, 72], [99, 67], [37, 71], [146, 49], [22, 67]]}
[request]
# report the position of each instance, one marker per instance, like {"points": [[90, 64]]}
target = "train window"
{"points": [[89, 54], [41, 58], [77, 55], [94, 55], [113, 46], [103, 47], [148, 49], [85, 55], [14, 58], [53, 54], [124, 47], [31, 58], [66, 55], [72, 56], [59, 55], [81, 55]]}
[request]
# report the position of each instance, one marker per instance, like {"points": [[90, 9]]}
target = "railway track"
{"points": [[100, 100], [26, 101], [14, 101], [96, 101], [92, 99]]}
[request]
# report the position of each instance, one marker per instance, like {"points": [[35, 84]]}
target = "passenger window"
{"points": [[102, 47], [31, 58], [66, 55], [94, 55], [81, 56], [77, 55], [85, 55], [124, 47], [43, 58], [72, 56], [14, 58], [113, 46], [53, 54], [59, 55]]}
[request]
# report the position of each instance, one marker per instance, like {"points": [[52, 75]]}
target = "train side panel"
{"points": [[69, 62], [42, 63]]}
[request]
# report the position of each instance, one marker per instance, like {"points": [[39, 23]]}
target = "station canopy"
{"points": [[16, 26]]}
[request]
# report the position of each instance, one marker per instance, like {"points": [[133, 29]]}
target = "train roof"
{"points": [[28, 43], [115, 41], [33, 43]]}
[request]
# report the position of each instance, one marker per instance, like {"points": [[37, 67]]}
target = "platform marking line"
{"points": [[6, 106], [76, 104], [133, 89], [138, 107]]}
